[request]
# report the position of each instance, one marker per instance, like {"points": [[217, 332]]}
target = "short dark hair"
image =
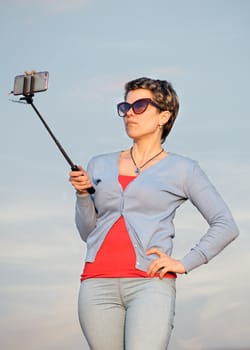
{"points": [[163, 93]]}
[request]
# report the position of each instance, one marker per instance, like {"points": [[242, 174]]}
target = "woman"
{"points": [[127, 294]]}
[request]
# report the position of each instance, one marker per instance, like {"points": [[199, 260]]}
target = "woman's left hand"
{"points": [[163, 264]]}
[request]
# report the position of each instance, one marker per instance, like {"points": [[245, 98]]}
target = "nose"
{"points": [[130, 112]]}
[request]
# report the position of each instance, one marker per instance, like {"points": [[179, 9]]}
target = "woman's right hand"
{"points": [[80, 180]]}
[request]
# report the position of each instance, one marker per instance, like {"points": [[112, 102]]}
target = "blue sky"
{"points": [[91, 48]]}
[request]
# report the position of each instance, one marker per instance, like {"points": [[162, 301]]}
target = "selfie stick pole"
{"points": [[29, 100]]}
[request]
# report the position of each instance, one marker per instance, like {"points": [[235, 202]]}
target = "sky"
{"points": [[91, 48]]}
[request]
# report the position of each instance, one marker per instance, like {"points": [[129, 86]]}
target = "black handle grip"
{"points": [[91, 189]]}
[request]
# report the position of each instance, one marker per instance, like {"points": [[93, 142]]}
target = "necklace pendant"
{"points": [[137, 168]]}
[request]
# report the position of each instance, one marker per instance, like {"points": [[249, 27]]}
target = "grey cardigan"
{"points": [[148, 206]]}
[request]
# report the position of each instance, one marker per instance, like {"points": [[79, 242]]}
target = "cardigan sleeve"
{"points": [[222, 227], [85, 215], [85, 212]]}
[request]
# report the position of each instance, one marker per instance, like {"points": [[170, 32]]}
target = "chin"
{"points": [[131, 133]]}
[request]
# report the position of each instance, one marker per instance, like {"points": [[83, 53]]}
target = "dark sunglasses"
{"points": [[138, 107]]}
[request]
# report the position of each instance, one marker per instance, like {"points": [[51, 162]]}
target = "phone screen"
{"points": [[29, 84]]}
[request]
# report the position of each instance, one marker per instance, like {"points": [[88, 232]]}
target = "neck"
{"points": [[139, 167], [144, 150]]}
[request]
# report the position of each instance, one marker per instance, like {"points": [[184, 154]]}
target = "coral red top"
{"points": [[116, 257]]}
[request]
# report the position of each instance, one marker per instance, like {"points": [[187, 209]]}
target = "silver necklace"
{"points": [[137, 168]]}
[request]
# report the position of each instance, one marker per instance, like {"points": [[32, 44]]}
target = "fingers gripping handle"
{"points": [[91, 189]]}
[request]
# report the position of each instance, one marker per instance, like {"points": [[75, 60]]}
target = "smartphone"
{"points": [[30, 84]]}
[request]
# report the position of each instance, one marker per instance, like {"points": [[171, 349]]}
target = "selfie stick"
{"points": [[29, 100]]}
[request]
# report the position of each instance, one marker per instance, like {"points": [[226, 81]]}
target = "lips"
{"points": [[130, 123]]}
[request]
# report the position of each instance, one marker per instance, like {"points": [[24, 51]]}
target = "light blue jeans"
{"points": [[127, 313]]}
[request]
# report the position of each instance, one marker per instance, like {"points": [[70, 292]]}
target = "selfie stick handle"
{"points": [[74, 167]]}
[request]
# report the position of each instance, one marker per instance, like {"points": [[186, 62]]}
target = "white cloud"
{"points": [[49, 313], [26, 212], [193, 343], [213, 300]]}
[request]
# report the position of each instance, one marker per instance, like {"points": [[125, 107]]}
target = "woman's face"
{"points": [[146, 124]]}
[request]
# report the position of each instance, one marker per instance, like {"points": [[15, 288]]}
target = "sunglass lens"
{"points": [[123, 108], [140, 106]]}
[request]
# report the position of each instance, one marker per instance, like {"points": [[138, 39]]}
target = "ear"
{"points": [[164, 117]]}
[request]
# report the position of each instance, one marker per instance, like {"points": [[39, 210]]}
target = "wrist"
{"points": [[83, 193]]}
